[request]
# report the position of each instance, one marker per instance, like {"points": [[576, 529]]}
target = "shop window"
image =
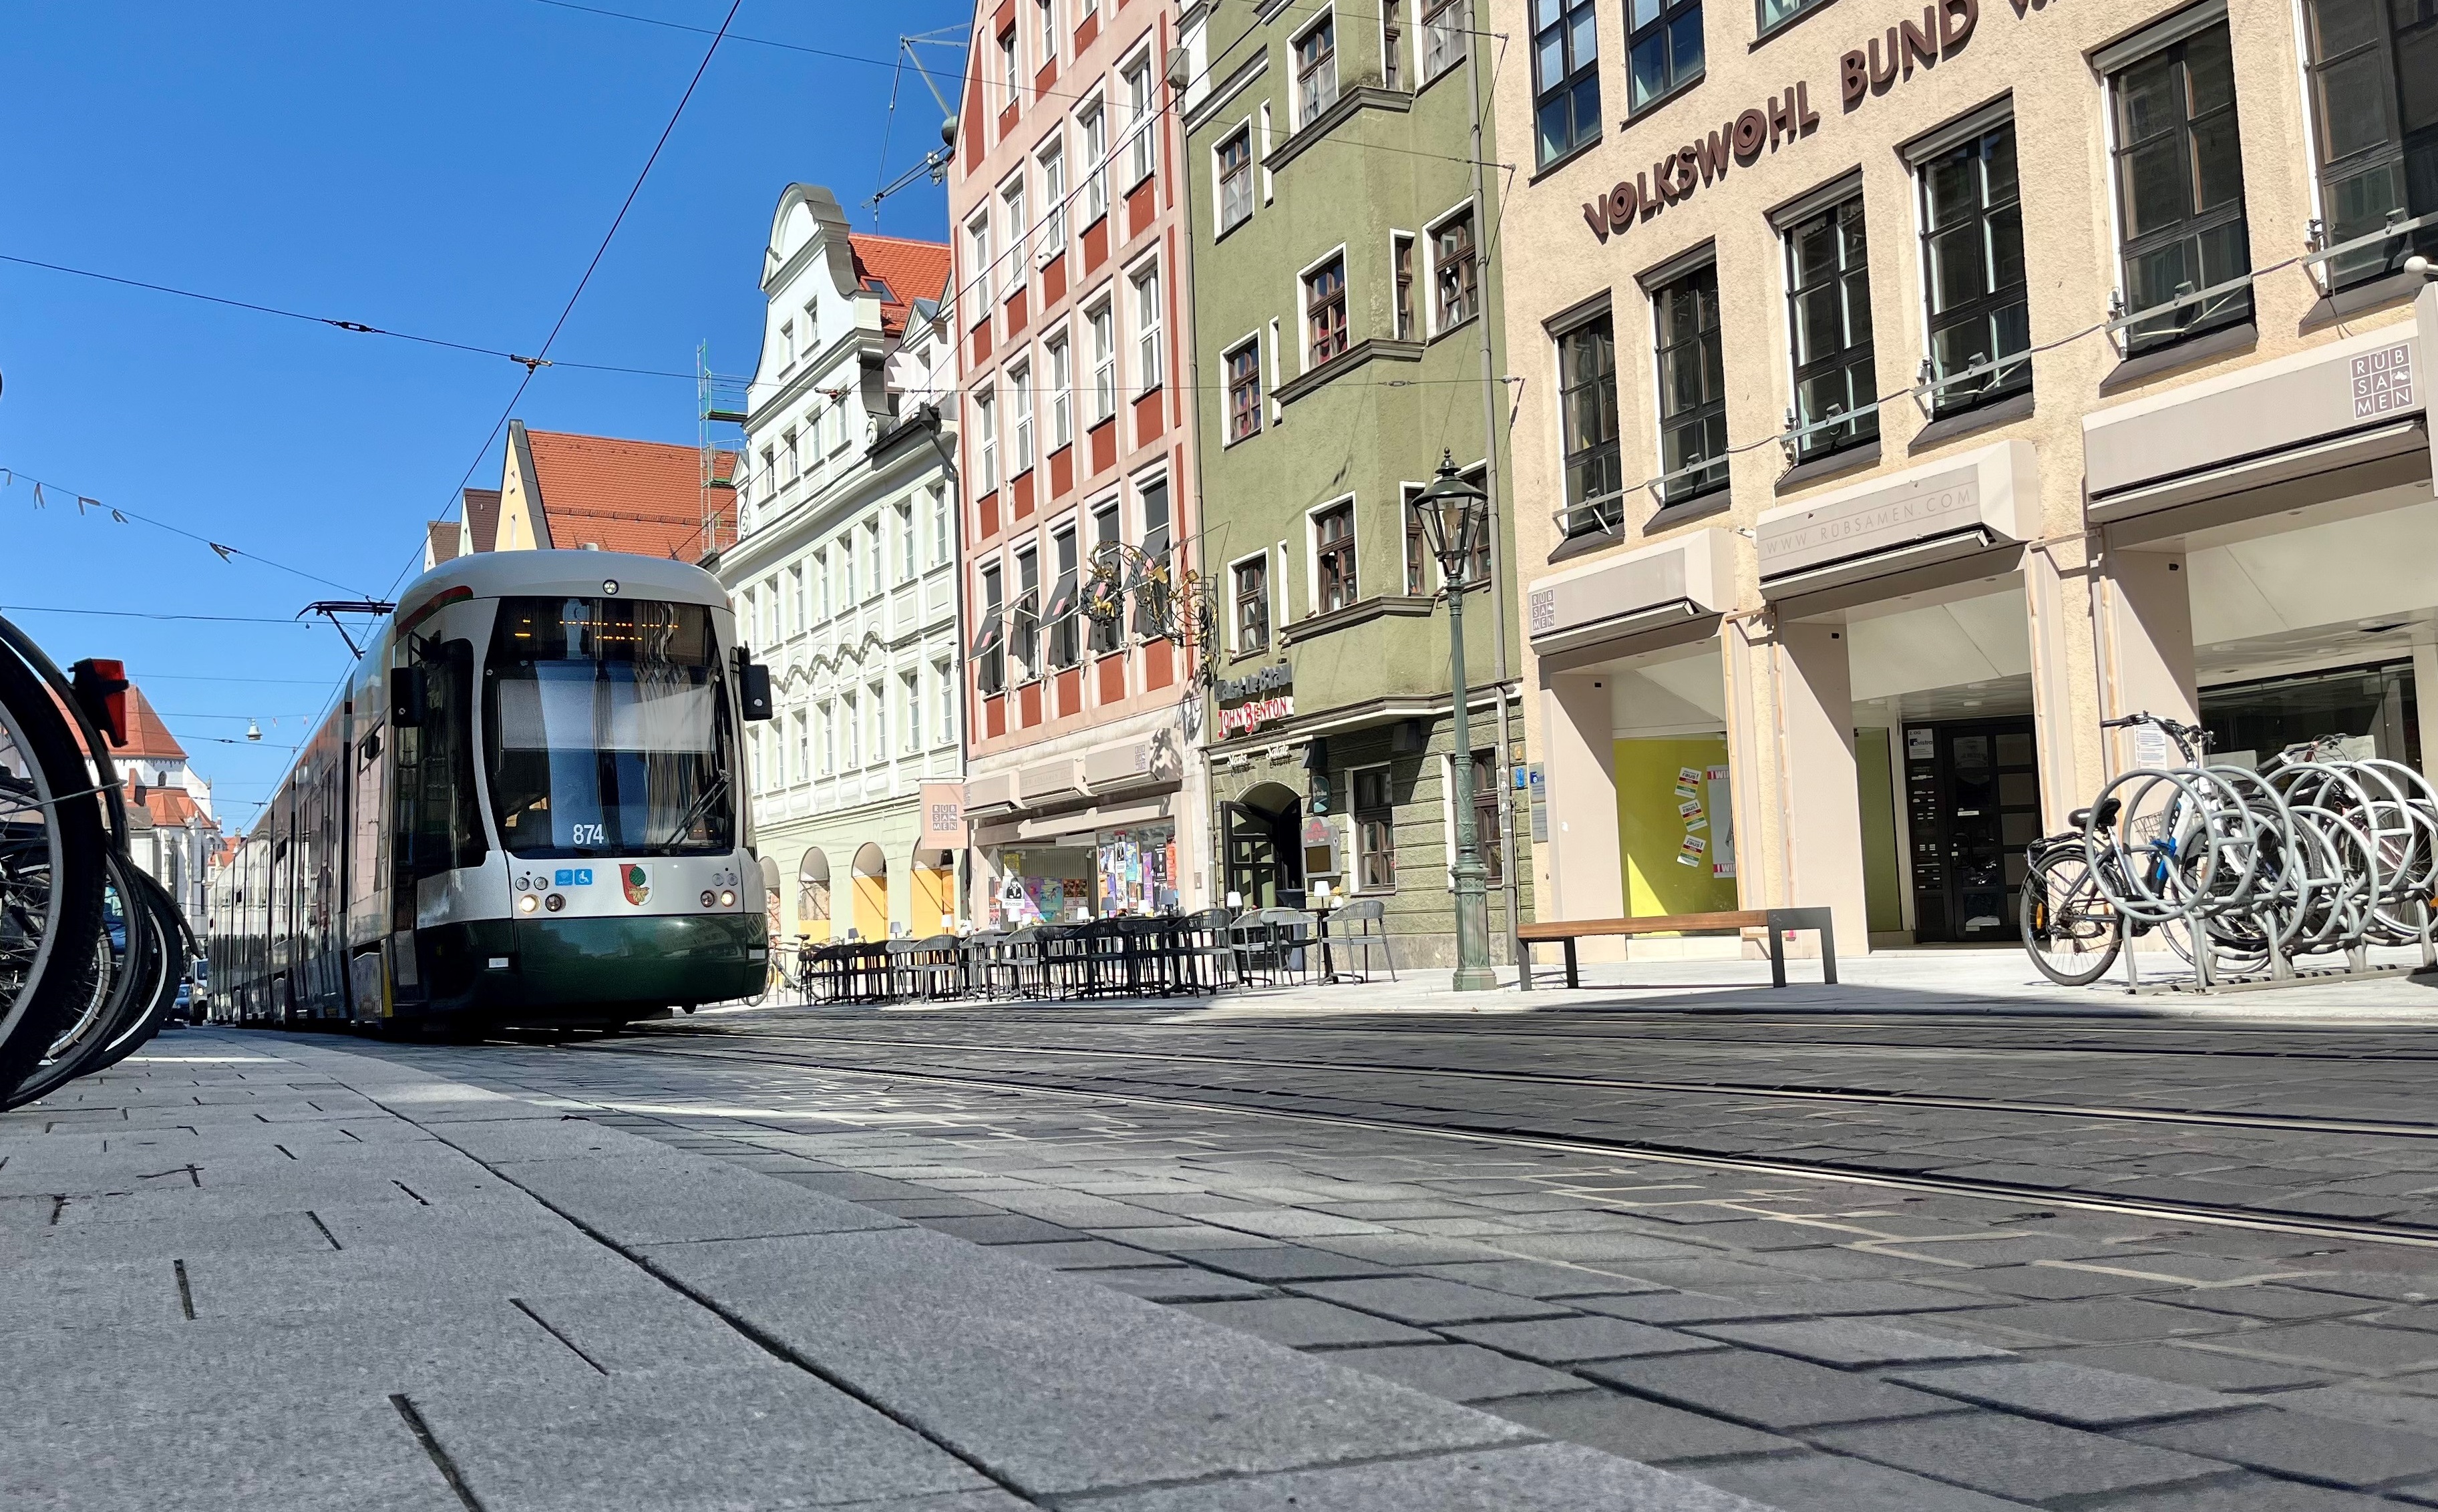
{"points": [[1692, 387], [2374, 710], [1663, 45], [1972, 251], [1444, 24], [1252, 593], [1456, 272], [2180, 189], [1566, 76], [1245, 392], [1332, 549], [2371, 67], [1375, 830], [1324, 311], [1316, 70], [1829, 314], [1587, 409], [1235, 165]]}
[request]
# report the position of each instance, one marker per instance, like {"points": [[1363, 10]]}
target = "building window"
{"points": [[2180, 189], [1104, 363], [1026, 626], [1375, 830], [1973, 248], [947, 689], [944, 540], [1105, 634], [1049, 10], [821, 585], [1011, 282], [1486, 778], [1316, 67], [1333, 555], [2371, 67], [1094, 119], [1147, 329], [852, 718], [1066, 643], [1009, 83], [788, 449], [1151, 595], [878, 704], [1235, 163], [1141, 146], [873, 564], [829, 738], [1829, 315], [1692, 387], [1392, 43], [1444, 24], [1020, 400], [1663, 48], [1244, 391], [803, 748], [786, 345], [1253, 605], [1419, 581], [1587, 410], [978, 260], [1062, 400], [1456, 271], [1566, 76], [904, 509], [1051, 240], [986, 444], [1401, 268], [1324, 311], [911, 695], [796, 596]]}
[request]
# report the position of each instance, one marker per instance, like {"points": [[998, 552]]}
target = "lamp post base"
{"points": [[1475, 979]]}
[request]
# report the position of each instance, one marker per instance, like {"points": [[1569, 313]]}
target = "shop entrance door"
{"points": [[1264, 853], [1972, 801]]}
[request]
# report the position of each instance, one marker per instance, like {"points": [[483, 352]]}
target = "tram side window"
{"points": [[439, 828]]}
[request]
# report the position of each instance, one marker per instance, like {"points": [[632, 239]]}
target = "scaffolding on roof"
{"points": [[720, 428]]}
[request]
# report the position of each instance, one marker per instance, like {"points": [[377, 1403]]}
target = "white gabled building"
{"points": [[845, 577]]}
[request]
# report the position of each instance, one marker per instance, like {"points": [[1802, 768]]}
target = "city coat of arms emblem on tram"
{"points": [[637, 882]]}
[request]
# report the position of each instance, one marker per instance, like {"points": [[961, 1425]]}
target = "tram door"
{"points": [[1264, 858], [1972, 801]]}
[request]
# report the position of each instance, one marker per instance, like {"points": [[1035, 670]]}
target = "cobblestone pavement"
{"points": [[1809, 1342]]}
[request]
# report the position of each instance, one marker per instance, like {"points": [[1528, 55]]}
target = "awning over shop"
{"points": [[1948, 511], [1679, 582]]}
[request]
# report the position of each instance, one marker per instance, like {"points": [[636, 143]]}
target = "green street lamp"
{"points": [[1453, 512]]}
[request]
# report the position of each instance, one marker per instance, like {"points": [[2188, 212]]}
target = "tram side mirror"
{"points": [[100, 688], [409, 687], [752, 687]]}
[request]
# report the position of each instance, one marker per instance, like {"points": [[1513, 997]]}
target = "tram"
{"points": [[523, 808]]}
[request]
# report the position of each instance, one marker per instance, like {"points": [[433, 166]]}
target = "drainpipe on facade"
{"points": [[929, 415], [1490, 392]]}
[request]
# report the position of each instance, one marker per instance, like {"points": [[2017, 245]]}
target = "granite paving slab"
{"points": [[1538, 1478], [2016, 1457]]}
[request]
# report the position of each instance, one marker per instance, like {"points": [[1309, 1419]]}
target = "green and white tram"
{"points": [[525, 808]]}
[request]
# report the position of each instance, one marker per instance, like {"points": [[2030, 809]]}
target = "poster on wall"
{"points": [[1722, 809], [1675, 824]]}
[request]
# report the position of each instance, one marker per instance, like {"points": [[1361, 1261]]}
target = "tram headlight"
{"points": [[727, 899], [555, 902], [610, 585], [709, 897], [528, 904]]}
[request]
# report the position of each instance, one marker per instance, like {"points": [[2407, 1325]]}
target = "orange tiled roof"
{"points": [[642, 497], [912, 269], [443, 536], [167, 805]]}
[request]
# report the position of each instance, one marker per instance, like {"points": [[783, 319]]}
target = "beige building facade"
{"points": [[1906, 391]]}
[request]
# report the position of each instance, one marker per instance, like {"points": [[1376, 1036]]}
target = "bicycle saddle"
{"points": [[2081, 819]]}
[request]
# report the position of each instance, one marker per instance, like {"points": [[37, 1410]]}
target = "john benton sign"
{"points": [[1871, 69], [1257, 698]]}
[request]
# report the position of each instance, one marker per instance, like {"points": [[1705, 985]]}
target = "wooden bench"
{"points": [[1777, 921]]}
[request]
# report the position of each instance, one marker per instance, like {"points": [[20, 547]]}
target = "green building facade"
{"points": [[1344, 337]]}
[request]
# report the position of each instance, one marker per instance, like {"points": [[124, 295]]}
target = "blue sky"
{"points": [[446, 168]]}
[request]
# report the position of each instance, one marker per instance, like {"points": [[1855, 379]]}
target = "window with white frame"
{"points": [[1094, 121], [1050, 240], [1103, 324], [1333, 558], [821, 585], [877, 703], [904, 510], [850, 721], [1251, 580], [786, 345], [1106, 634], [1375, 829], [1148, 371], [946, 688], [1393, 43], [1065, 597], [788, 449], [873, 563], [985, 443], [1456, 272], [1019, 399], [1324, 311], [1401, 270], [990, 645], [1062, 383], [1151, 592], [796, 596], [847, 594], [1233, 163], [804, 596], [1141, 145], [1444, 24], [1243, 368], [1048, 18], [770, 472], [910, 689], [803, 748], [977, 262], [827, 719], [1316, 70], [1010, 197], [1025, 627], [1010, 70], [944, 539]]}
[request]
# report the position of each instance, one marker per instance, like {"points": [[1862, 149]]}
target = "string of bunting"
{"points": [[86, 504]]}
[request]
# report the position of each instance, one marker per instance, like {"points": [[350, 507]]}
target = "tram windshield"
{"points": [[606, 730]]}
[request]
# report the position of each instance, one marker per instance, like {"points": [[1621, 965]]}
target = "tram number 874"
{"points": [[591, 835]]}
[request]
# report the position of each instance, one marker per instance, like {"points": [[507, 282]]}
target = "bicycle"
{"points": [[55, 837]]}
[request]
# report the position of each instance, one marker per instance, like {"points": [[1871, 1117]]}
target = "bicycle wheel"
{"points": [[2070, 931], [52, 847], [131, 959]]}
